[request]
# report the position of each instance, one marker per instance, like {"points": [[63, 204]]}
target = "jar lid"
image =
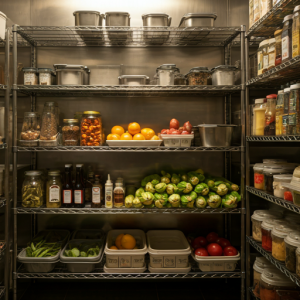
{"points": [[265, 42], [279, 31], [272, 96], [277, 169], [199, 69], [283, 177], [280, 92], [258, 101], [282, 230], [29, 69], [274, 161], [258, 167], [260, 264], [90, 112], [31, 114], [68, 165], [54, 172], [167, 67], [79, 165], [295, 86], [293, 238], [33, 173], [268, 224], [275, 277], [261, 215], [287, 90], [70, 121], [45, 70], [225, 67], [287, 18], [297, 8]]}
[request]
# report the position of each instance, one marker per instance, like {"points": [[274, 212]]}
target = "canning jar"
{"points": [[179, 79], [260, 264], [259, 116], [31, 126], [30, 76], [266, 228], [53, 189], [279, 190], [294, 110], [70, 132], [270, 115], [49, 121], [259, 177], [279, 232], [279, 112], [33, 189], [272, 280], [271, 53], [91, 129], [292, 242], [296, 31], [278, 46], [198, 76], [46, 76], [287, 38], [166, 73]]}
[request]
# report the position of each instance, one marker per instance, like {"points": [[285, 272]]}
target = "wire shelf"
{"points": [[2, 292], [274, 261], [268, 24], [278, 75], [128, 91], [126, 149], [281, 202], [286, 138], [132, 211], [55, 36]]}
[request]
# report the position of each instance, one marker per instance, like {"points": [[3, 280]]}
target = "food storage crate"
{"points": [[126, 258], [217, 263], [177, 140], [88, 234], [168, 249]]}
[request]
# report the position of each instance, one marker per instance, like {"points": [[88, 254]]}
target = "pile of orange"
{"points": [[124, 241], [134, 133]]}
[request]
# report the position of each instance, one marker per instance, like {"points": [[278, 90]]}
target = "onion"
{"points": [[180, 129], [176, 132], [187, 126], [164, 131], [174, 124]]}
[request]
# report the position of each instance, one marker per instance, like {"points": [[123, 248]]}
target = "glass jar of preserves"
{"points": [[259, 110], [260, 264], [271, 53], [278, 46], [30, 76], [91, 129], [279, 112], [49, 128], [259, 177], [279, 190], [53, 189], [272, 280], [70, 132], [198, 76], [31, 126], [292, 242], [287, 38], [296, 31], [294, 110], [270, 115], [33, 189], [261, 53], [266, 228]]}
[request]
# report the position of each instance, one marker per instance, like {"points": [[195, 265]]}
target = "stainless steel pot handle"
{"points": [[169, 21]]}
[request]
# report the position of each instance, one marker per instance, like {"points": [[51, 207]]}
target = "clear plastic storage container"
{"points": [[30, 76], [223, 75], [46, 76], [165, 74], [292, 242], [266, 228], [49, 128], [279, 190], [259, 177], [260, 264], [174, 140]]}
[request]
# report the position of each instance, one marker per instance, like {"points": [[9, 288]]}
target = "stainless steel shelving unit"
{"points": [[286, 138]]}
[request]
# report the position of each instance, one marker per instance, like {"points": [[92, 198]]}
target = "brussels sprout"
{"points": [[201, 187], [147, 196], [174, 200], [188, 188], [184, 177], [214, 201], [176, 189], [191, 204], [149, 188], [150, 205], [188, 198], [170, 189], [175, 179], [147, 203], [211, 194], [228, 186], [139, 192], [159, 203], [154, 182], [161, 187], [229, 201], [235, 187], [165, 180], [210, 183], [218, 183], [129, 200], [163, 196], [237, 195], [201, 202], [137, 203], [193, 180], [181, 185], [165, 174], [222, 189]]}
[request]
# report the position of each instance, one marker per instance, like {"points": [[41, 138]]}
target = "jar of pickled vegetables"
{"points": [[260, 264], [91, 129], [33, 189]]}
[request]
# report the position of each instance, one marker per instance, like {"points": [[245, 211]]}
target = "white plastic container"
{"points": [[2, 25], [168, 249], [134, 143], [177, 140], [124, 270], [126, 258]]}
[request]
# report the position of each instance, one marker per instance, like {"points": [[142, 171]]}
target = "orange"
{"points": [[128, 241], [148, 133], [113, 248], [118, 240], [113, 136], [118, 130], [134, 128], [155, 138], [138, 137], [126, 136]]}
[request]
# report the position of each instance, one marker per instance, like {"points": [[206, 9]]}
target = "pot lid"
{"points": [[198, 69], [283, 177], [133, 76], [275, 277], [196, 15], [293, 238], [282, 230], [29, 69], [261, 215], [86, 12], [65, 66], [33, 173], [274, 161], [268, 224], [260, 264], [155, 15], [295, 86], [53, 172], [225, 67], [287, 18]]}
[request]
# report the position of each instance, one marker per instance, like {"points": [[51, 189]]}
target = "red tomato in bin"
{"points": [[288, 196], [230, 251], [201, 252], [199, 242], [212, 237], [223, 242], [214, 249]]}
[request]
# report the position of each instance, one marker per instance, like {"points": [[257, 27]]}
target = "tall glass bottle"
{"points": [[53, 189], [67, 190], [119, 195], [97, 191], [79, 188], [270, 115]]}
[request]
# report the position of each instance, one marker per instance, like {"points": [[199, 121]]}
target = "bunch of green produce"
{"points": [[82, 250], [42, 249]]}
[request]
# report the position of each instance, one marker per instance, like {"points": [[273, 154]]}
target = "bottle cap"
{"points": [[108, 180], [68, 165], [79, 165]]}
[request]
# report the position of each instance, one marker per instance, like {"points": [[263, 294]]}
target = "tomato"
{"points": [[164, 131], [230, 251], [201, 252], [212, 237], [214, 249], [288, 196], [223, 242], [174, 124], [199, 242]]}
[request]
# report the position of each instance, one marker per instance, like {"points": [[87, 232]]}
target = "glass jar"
{"points": [[294, 110], [259, 117], [279, 190], [198, 76], [278, 46], [272, 280], [180, 79], [70, 132], [279, 232], [91, 129], [296, 31], [259, 177], [46, 76], [256, 9], [266, 56], [119, 195], [271, 53], [261, 53], [33, 189], [266, 228], [30, 76], [260, 264], [53, 189], [287, 38], [279, 112], [292, 242], [49, 128], [31, 126], [270, 115]]}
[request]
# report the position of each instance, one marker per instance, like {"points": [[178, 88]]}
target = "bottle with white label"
{"points": [[53, 189], [108, 193], [79, 188], [286, 38], [97, 190], [67, 189]]}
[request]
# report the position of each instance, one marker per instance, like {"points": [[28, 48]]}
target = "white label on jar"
{"points": [[54, 194], [96, 195], [285, 47], [266, 61], [78, 197], [45, 79], [30, 78], [67, 196]]}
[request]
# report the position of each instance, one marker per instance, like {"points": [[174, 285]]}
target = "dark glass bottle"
{"points": [[79, 188], [97, 191], [67, 190]]}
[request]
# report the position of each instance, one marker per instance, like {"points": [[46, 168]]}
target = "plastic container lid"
{"points": [[276, 169], [33, 173], [297, 8], [258, 167], [31, 114], [293, 238], [79, 165], [274, 161], [45, 70], [272, 96], [259, 101], [261, 215], [167, 67], [86, 12], [260, 264], [283, 178], [287, 90], [225, 67], [68, 165], [268, 224], [275, 277], [29, 69], [280, 92], [287, 18], [70, 121], [282, 230], [295, 86]]}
